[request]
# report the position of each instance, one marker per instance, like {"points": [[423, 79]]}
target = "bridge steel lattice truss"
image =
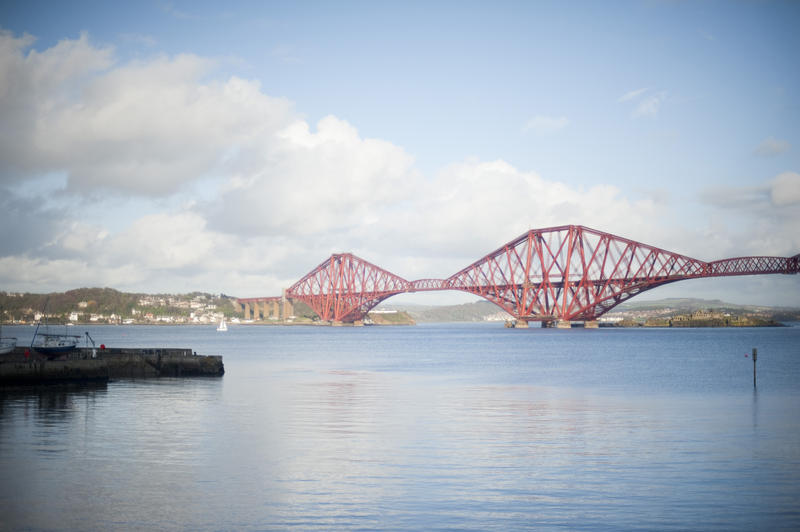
{"points": [[565, 273]]}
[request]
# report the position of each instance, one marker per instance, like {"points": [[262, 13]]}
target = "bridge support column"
{"points": [[521, 324], [563, 324], [288, 307], [246, 310], [358, 323], [336, 323], [591, 324]]}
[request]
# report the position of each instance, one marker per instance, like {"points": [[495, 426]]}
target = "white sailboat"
{"points": [[222, 325]]}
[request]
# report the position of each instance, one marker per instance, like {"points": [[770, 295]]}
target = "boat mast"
{"points": [[35, 332]]}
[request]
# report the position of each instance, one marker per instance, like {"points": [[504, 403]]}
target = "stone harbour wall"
{"points": [[24, 366]]}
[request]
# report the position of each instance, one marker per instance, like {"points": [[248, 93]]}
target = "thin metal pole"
{"points": [[755, 354]]}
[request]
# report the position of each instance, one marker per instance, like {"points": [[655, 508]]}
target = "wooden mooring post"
{"points": [[755, 355]]}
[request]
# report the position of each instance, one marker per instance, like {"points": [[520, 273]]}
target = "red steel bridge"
{"points": [[553, 275]]}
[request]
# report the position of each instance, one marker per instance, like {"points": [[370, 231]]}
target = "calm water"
{"points": [[469, 427]]}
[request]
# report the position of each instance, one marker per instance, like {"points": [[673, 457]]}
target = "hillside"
{"points": [[106, 305], [679, 306], [685, 304], [390, 318], [477, 311], [486, 311]]}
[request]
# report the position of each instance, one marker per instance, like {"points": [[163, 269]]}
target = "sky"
{"points": [[231, 147]]}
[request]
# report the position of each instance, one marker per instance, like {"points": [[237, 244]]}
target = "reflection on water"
{"points": [[419, 429], [49, 410]]}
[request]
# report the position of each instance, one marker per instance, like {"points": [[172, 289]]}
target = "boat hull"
{"points": [[54, 350], [7, 347], [54, 344]]}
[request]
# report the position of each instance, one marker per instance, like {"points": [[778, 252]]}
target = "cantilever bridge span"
{"points": [[558, 274]]}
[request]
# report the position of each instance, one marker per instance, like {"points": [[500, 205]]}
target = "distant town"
{"points": [[109, 306]]}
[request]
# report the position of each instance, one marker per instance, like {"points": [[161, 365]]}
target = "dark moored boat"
{"points": [[53, 344]]}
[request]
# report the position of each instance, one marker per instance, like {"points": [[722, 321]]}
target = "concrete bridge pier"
{"points": [[591, 324], [521, 324], [246, 310], [563, 324]]}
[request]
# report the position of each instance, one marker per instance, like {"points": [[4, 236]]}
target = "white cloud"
{"points": [[32, 84], [170, 9], [759, 220], [545, 124], [650, 105], [770, 147], [146, 127], [631, 95], [475, 206], [312, 182], [783, 191], [786, 189], [647, 103], [165, 252]]}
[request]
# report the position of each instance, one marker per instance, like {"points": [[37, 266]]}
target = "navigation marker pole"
{"points": [[755, 354]]}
